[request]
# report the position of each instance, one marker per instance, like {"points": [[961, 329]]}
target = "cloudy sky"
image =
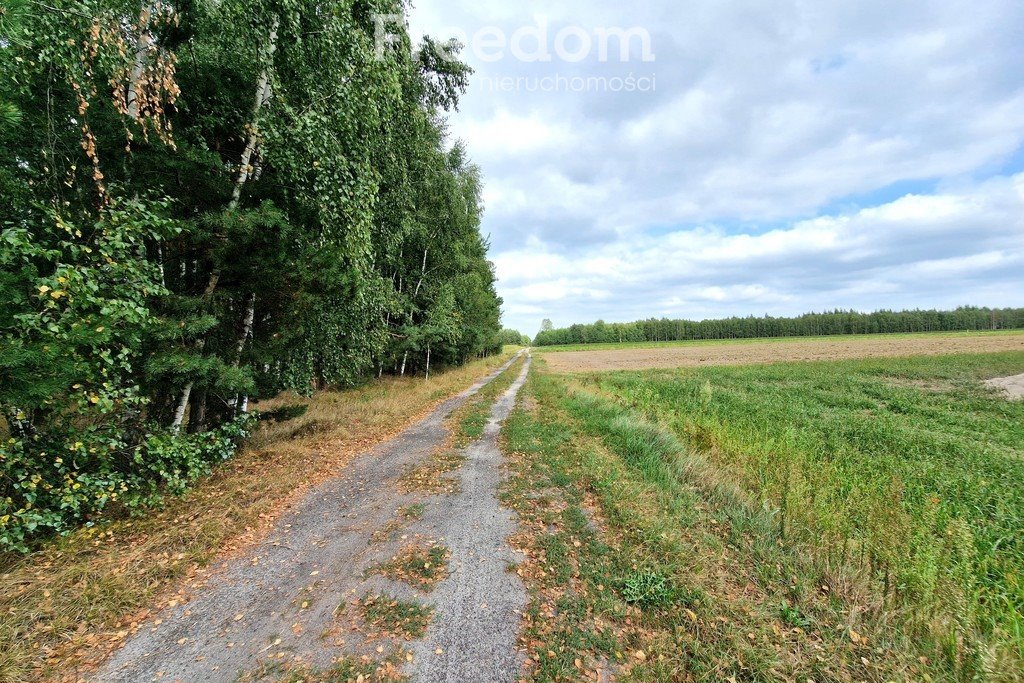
{"points": [[749, 158]]}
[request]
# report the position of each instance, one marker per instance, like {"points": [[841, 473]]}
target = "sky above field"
{"points": [[744, 158]]}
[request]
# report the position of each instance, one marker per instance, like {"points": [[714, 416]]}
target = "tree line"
{"points": [[809, 325], [207, 202]]}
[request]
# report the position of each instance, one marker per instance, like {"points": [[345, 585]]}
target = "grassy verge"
{"points": [[617, 346], [635, 571], [904, 474], [651, 555], [64, 607], [469, 421]]}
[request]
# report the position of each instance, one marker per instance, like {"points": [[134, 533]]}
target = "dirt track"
{"points": [[760, 353], [1013, 387], [294, 599]]}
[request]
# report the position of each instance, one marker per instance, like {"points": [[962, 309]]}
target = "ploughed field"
{"points": [[875, 503], [762, 351]]}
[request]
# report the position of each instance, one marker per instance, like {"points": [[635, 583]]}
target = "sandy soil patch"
{"points": [[1013, 387], [760, 353]]}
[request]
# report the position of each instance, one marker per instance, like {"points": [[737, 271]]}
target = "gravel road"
{"points": [[280, 603]]}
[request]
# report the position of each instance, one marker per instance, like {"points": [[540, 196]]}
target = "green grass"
{"points": [[413, 511], [906, 471], [345, 670], [423, 567], [470, 420], [634, 570], [854, 520], [400, 618], [615, 346]]}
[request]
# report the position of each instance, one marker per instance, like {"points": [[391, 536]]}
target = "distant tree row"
{"points": [[513, 338], [808, 325]]}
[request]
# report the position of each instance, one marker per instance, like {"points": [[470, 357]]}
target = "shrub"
{"points": [[48, 486]]}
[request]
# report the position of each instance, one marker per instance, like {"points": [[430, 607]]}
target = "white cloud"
{"points": [[935, 250], [611, 205]]}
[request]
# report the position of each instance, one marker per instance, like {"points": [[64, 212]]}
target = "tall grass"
{"points": [[907, 470]]}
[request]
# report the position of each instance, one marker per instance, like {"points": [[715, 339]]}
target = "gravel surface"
{"points": [[293, 598], [1013, 387], [479, 606]]}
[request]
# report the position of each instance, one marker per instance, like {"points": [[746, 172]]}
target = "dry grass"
{"points": [[66, 606], [760, 352]]}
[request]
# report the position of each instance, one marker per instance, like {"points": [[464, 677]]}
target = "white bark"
{"points": [[423, 271], [179, 414], [428, 362], [247, 323], [143, 44], [262, 98], [250, 317]]}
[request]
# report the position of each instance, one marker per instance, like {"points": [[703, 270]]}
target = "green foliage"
{"points": [[647, 589], [49, 485], [809, 325], [907, 471], [512, 338], [208, 220]]}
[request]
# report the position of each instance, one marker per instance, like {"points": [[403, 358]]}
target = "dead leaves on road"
{"points": [[422, 566]]}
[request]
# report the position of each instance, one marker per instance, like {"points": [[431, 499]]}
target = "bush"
{"points": [[49, 487]]}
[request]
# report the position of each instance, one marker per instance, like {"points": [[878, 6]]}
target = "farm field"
{"points": [[831, 520], [761, 351]]}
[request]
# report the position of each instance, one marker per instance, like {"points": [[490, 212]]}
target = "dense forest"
{"points": [[206, 203], [808, 325]]}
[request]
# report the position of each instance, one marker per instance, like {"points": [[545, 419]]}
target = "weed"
{"points": [[395, 617], [423, 567], [647, 589], [792, 616], [414, 511]]}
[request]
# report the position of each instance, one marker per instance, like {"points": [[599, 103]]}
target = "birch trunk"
{"points": [[428, 362], [262, 98], [423, 270], [143, 44], [250, 317], [179, 413]]}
